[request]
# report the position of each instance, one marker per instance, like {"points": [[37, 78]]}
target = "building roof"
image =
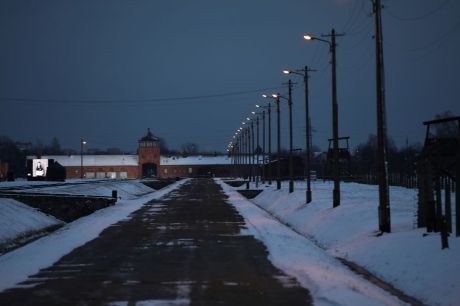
{"points": [[133, 160], [93, 160], [149, 136], [195, 160]]}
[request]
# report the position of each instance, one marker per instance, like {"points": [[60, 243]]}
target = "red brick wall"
{"points": [[74, 171], [148, 155], [172, 171]]}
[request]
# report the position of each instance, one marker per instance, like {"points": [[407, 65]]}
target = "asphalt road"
{"points": [[184, 249]]}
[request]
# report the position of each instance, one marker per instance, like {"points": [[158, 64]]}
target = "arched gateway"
{"points": [[149, 155]]}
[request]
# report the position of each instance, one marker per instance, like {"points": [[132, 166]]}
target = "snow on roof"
{"points": [[195, 160], [94, 160], [133, 160]]}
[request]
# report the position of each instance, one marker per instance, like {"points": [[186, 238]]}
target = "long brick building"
{"points": [[147, 163]]}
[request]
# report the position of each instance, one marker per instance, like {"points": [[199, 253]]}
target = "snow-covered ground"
{"points": [[405, 258], [29, 259], [20, 221], [126, 189]]}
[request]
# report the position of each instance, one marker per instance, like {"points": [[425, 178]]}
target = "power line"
{"points": [[428, 14], [439, 38], [352, 21], [123, 101]]}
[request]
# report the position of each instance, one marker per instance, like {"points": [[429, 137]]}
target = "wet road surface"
{"points": [[183, 249]]}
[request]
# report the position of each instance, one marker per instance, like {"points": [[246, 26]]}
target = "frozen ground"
{"points": [[127, 189], [405, 258], [29, 259], [20, 221]]}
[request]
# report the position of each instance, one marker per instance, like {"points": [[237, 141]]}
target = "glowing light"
{"points": [[308, 37]]}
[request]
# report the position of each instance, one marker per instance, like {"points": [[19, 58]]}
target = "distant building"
{"points": [[147, 163], [195, 166], [3, 171]]}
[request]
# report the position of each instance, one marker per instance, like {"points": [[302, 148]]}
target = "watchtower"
{"points": [[149, 155], [439, 166]]}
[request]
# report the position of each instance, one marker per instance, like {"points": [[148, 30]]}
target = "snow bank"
{"points": [[126, 189], [405, 258], [328, 280], [19, 220]]}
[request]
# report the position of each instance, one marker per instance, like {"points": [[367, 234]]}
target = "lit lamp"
{"points": [[82, 143], [304, 74], [335, 120]]}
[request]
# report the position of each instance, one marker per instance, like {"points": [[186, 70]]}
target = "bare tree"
{"points": [[189, 148]]}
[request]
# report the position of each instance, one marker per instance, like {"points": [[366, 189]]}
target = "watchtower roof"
{"points": [[149, 136]]}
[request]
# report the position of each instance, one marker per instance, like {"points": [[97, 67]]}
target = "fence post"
{"points": [[444, 234], [438, 207], [448, 208]]}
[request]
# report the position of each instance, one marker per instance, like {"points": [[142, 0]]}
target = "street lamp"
{"points": [[335, 121], [82, 143], [308, 140], [261, 171], [277, 98], [268, 107], [278, 154]]}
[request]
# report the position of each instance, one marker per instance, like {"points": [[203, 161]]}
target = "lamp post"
{"points": [[291, 161], [308, 141], [263, 143], [382, 170], [240, 152], [276, 97], [268, 107], [82, 143], [252, 151], [335, 121]]}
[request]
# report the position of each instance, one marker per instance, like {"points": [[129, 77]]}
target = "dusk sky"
{"points": [[192, 70]]}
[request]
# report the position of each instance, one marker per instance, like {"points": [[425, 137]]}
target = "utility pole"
{"points": [[335, 120], [82, 143], [249, 153], [253, 152], [307, 136], [278, 137], [248, 150], [263, 147], [243, 153], [382, 164], [269, 143], [291, 161], [257, 154]]}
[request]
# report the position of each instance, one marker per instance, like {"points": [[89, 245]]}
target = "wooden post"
{"points": [[430, 203], [457, 178], [438, 207], [448, 208], [444, 234], [422, 196]]}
